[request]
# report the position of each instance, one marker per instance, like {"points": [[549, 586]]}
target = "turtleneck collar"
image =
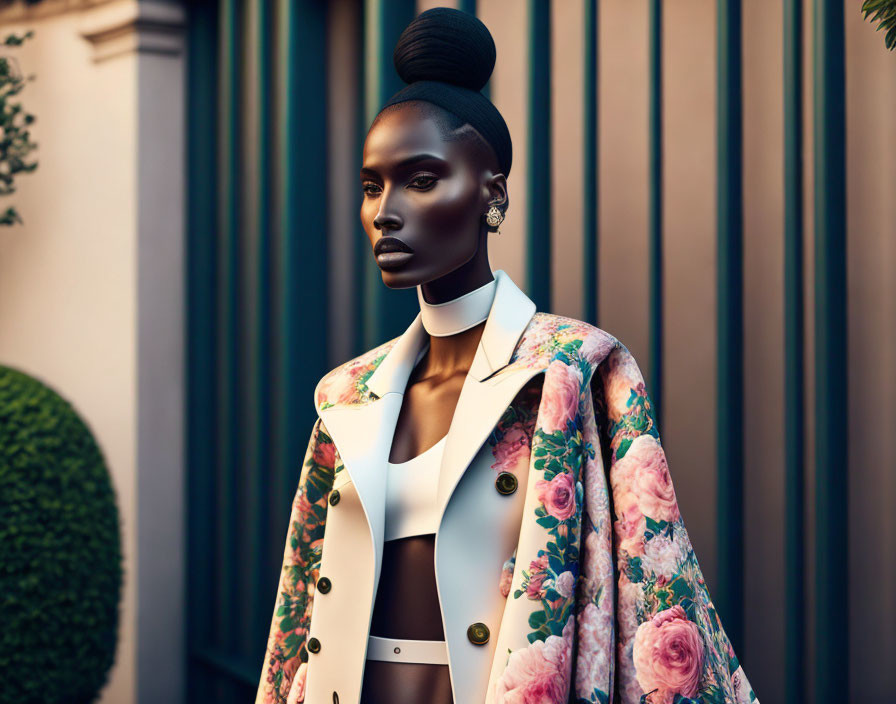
{"points": [[458, 314]]}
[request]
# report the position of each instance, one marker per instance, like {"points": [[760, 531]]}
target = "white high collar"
{"points": [[458, 314]]}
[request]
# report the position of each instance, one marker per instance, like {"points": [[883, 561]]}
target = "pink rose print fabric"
{"points": [[623, 613], [668, 655], [539, 673], [286, 657]]}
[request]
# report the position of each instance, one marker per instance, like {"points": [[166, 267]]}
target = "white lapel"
{"points": [[363, 432], [485, 394]]}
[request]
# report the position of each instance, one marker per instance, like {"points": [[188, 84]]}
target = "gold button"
{"points": [[334, 497], [313, 645], [478, 633], [323, 585], [506, 483]]}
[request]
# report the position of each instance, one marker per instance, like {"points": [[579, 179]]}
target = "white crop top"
{"points": [[412, 489]]}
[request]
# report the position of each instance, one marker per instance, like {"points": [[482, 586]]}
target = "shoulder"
{"points": [[346, 383], [573, 351], [550, 338]]}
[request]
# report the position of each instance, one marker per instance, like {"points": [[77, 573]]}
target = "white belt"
{"points": [[431, 652]]}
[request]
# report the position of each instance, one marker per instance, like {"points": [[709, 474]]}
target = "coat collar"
{"points": [[510, 313]]}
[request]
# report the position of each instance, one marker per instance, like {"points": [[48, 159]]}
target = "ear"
{"points": [[497, 189]]}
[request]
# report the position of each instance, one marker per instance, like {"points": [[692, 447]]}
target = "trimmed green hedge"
{"points": [[60, 550]]}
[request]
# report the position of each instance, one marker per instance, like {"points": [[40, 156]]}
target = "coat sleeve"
{"points": [[670, 646], [285, 660]]}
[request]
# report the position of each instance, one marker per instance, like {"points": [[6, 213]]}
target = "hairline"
{"points": [[443, 119]]}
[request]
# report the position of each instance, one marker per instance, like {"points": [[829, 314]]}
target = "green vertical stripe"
{"points": [[538, 183], [229, 430], [302, 266], [794, 535], [246, 322], [590, 164], [656, 205], [386, 313], [730, 322], [831, 420], [259, 426], [361, 250], [200, 333]]}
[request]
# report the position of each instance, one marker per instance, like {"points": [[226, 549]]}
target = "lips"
{"points": [[390, 244]]}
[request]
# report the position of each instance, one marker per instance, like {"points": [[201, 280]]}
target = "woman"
{"points": [[453, 536]]}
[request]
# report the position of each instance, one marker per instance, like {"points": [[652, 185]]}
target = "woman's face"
{"points": [[424, 195]]}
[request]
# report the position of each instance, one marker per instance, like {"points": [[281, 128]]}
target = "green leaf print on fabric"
{"points": [[286, 657]]}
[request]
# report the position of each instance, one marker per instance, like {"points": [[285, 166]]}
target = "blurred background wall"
{"points": [[91, 285], [192, 262]]}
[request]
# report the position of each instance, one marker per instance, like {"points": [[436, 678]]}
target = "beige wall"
{"points": [[91, 295], [68, 304]]}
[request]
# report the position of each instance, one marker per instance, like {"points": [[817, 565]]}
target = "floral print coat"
{"points": [[604, 592]]}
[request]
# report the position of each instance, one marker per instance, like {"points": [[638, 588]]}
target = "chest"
{"points": [[427, 410]]}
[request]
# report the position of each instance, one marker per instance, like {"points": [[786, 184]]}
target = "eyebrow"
{"points": [[413, 159]]}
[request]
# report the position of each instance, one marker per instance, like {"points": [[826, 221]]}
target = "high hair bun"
{"points": [[448, 45], [446, 56]]}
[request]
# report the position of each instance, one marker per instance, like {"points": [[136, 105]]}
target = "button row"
{"points": [[478, 633]]}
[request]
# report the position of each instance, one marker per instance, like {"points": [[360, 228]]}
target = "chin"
{"points": [[402, 278], [410, 276]]}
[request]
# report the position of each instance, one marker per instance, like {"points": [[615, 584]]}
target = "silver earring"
{"points": [[494, 217]]}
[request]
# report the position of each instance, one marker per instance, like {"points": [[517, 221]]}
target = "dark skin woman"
{"points": [[429, 187]]}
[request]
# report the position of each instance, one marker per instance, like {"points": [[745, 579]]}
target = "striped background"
{"points": [[685, 176]]}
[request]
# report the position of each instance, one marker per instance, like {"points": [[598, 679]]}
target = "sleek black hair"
{"points": [[446, 56]]}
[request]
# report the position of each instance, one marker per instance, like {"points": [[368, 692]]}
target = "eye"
{"points": [[423, 182], [369, 188]]}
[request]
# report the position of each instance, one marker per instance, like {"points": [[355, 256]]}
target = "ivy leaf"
{"points": [[681, 589], [655, 527], [555, 563], [547, 522], [537, 619], [623, 448]]}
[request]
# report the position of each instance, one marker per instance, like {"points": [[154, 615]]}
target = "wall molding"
{"points": [[146, 27]]}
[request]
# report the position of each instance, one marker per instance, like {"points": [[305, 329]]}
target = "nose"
{"points": [[386, 221], [386, 218]]}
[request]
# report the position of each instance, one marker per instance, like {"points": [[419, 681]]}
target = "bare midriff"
{"points": [[407, 606], [407, 600]]}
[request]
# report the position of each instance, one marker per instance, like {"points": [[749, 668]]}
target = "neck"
{"points": [[458, 314], [467, 277], [447, 356], [455, 324]]}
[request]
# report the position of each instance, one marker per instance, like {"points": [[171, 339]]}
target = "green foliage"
{"points": [[60, 551], [884, 13], [15, 142]]}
